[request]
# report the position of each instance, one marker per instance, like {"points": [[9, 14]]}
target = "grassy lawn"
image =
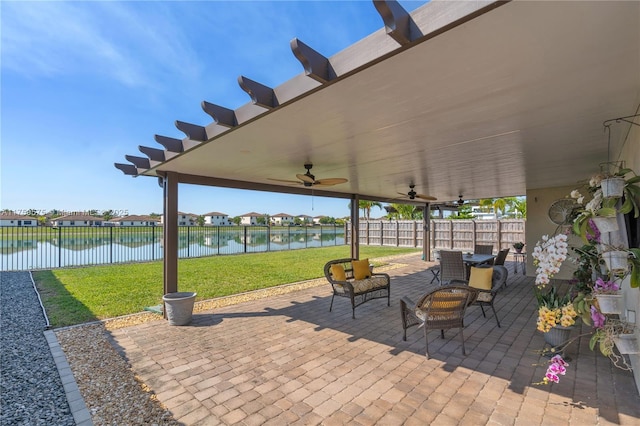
{"points": [[78, 295]]}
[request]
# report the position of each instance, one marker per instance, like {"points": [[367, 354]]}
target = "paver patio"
{"points": [[288, 360]]}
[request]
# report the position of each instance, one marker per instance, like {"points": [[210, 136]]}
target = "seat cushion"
{"points": [[480, 278], [361, 269], [338, 273], [360, 286]]}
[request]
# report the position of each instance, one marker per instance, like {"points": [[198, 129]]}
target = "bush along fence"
{"points": [[26, 248], [446, 234]]}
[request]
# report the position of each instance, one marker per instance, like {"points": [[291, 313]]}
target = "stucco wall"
{"points": [[630, 153], [538, 224]]}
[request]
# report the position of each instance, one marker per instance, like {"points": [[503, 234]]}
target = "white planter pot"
{"points": [[606, 224], [627, 344], [179, 307], [610, 303], [616, 261], [612, 187]]}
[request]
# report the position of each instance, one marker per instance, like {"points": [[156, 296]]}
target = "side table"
{"points": [[521, 259]]}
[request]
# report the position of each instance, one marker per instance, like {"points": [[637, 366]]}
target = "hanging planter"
{"points": [[612, 187], [627, 343], [605, 223], [616, 261], [609, 303]]}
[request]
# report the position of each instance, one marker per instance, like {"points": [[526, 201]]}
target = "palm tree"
{"points": [[405, 211], [366, 207]]}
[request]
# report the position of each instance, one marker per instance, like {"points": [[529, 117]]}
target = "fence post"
{"points": [[474, 234], [397, 233], [499, 233], [245, 238], [110, 244], [59, 246]]}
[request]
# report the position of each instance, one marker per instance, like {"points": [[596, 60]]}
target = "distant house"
{"points": [[133, 220], [282, 219], [184, 219], [305, 219], [77, 220], [12, 219], [250, 218], [316, 219], [216, 219]]}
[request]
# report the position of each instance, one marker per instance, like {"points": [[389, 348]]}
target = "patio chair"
{"points": [[488, 281], [483, 249], [452, 266], [501, 257], [440, 309]]}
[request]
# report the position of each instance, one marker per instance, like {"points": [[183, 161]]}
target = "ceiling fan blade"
{"points": [[426, 197], [331, 181], [305, 178], [293, 182]]}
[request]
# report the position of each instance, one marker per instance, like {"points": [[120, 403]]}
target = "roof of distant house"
{"points": [[77, 217], [135, 218], [13, 216], [215, 214], [252, 214], [282, 215]]}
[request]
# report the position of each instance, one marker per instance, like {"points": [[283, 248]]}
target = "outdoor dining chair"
{"points": [[501, 257], [487, 281], [452, 266], [483, 249], [440, 309]]}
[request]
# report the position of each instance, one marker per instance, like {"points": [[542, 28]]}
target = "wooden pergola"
{"points": [[480, 99]]}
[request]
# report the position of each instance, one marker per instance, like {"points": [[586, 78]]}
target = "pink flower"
{"points": [[602, 286], [597, 318]]}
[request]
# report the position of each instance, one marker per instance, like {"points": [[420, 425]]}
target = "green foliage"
{"points": [[77, 295], [405, 211], [464, 212]]}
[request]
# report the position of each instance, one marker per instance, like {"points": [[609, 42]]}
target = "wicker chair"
{"points": [[484, 249], [487, 297], [501, 257], [452, 266], [440, 309], [377, 286]]}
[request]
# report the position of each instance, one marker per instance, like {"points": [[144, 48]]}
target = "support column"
{"points": [[426, 232], [355, 227], [170, 232]]}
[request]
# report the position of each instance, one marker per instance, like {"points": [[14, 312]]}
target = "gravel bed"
{"points": [[31, 391]]}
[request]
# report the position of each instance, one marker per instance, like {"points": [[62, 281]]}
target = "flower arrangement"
{"points": [[548, 255], [605, 287], [557, 367], [554, 310]]}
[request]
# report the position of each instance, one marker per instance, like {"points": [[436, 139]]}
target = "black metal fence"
{"points": [[26, 248]]}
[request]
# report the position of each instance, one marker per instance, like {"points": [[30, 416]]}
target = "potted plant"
{"points": [[608, 295], [518, 246], [601, 208]]}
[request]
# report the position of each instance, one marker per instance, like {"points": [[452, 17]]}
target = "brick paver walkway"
{"points": [[288, 360]]}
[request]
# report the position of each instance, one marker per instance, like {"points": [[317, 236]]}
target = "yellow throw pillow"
{"points": [[361, 269], [338, 273], [480, 278]]}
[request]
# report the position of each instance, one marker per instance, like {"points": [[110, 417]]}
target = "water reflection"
{"points": [[39, 248]]}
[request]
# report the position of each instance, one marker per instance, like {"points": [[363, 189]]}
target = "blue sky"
{"points": [[84, 83]]}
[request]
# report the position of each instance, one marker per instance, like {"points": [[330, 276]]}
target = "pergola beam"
{"points": [[397, 21], [261, 95], [315, 65]]}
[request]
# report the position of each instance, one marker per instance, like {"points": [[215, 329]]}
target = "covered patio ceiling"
{"points": [[480, 99]]}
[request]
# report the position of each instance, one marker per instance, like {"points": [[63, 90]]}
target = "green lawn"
{"points": [[78, 295]]}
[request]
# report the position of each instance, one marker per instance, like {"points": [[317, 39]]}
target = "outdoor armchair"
{"points": [[354, 280], [488, 281], [452, 266], [441, 309]]}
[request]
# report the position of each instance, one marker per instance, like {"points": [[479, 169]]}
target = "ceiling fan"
{"points": [[460, 200], [307, 179], [412, 194]]}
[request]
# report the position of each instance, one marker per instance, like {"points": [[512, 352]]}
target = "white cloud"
{"points": [[136, 44]]}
